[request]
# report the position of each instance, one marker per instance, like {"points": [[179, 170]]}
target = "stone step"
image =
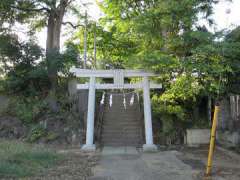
{"points": [[120, 136], [121, 122], [121, 128], [116, 117], [116, 144], [121, 141], [122, 112], [116, 106], [121, 119], [122, 125], [121, 107], [133, 115], [121, 133], [126, 128], [112, 116], [136, 113]]}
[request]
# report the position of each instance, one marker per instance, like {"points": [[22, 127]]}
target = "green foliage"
{"points": [[51, 136], [164, 37], [111, 49], [188, 60], [231, 52], [36, 132], [185, 88], [69, 59], [23, 70], [20, 160], [154, 25], [34, 12], [10, 14], [27, 109]]}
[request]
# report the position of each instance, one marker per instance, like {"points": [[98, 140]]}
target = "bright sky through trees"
{"points": [[221, 17]]}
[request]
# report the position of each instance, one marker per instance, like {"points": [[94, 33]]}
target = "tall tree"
{"points": [[39, 13], [165, 36]]}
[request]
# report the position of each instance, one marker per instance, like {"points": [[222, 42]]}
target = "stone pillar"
{"points": [[149, 146], [89, 146]]}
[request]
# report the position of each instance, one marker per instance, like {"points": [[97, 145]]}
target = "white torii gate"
{"points": [[118, 76]]}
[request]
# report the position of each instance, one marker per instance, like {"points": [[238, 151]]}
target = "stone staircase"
{"points": [[122, 127]]}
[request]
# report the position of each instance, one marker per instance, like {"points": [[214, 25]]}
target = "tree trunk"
{"points": [[54, 25], [52, 48]]}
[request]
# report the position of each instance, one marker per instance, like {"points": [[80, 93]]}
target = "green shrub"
{"points": [[176, 105], [27, 109]]}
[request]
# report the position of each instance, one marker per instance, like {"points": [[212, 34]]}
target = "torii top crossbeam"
{"points": [[109, 73], [118, 76]]}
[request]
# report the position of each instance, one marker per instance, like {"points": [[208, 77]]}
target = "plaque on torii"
{"points": [[118, 76]]}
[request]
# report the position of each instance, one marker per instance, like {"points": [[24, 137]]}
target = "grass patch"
{"points": [[18, 159]]}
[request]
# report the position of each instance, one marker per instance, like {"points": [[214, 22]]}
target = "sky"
{"points": [[226, 16]]}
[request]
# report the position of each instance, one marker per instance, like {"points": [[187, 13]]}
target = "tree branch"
{"points": [[69, 2], [31, 9], [72, 25], [64, 3]]}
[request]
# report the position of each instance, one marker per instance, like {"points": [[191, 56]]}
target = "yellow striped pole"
{"points": [[212, 140]]}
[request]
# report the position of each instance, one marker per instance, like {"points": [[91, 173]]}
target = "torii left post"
{"points": [[90, 116]]}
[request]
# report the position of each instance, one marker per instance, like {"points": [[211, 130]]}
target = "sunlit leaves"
{"points": [[184, 88]]}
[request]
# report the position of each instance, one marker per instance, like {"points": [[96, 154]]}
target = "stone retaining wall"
{"points": [[228, 133], [197, 137]]}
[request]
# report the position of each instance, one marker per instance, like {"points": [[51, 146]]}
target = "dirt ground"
{"points": [[178, 163], [226, 165], [76, 165]]}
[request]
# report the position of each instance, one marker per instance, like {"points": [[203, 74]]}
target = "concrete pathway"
{"points": [[126, 163]]}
